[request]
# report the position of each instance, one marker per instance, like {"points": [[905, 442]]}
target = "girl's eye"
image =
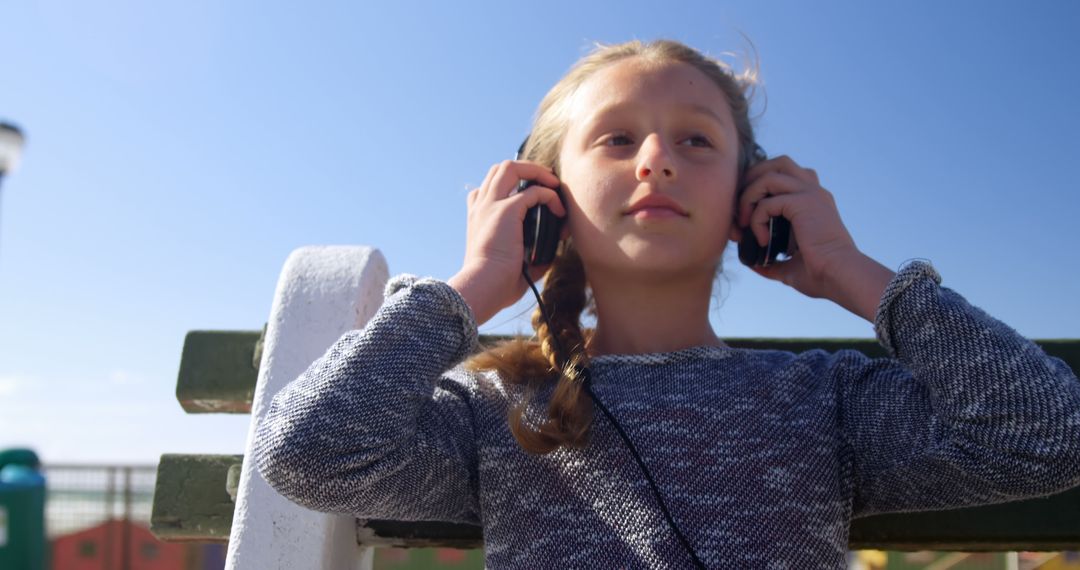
{"points": [[622, 140], [700, 140]]}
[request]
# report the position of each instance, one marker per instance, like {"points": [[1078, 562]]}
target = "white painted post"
{"points": [[322, 293]]}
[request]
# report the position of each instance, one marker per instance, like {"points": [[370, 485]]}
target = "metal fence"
{"points": [[79, 497], [97, 517]]}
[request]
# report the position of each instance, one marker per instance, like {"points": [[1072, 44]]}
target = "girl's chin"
{"points": [[670, 247], [654, 261]]}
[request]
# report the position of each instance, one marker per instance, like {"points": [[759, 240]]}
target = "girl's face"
{"points": [[650, 135]]}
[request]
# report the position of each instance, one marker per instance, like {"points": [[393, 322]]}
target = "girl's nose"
{"points": [[655, 159], [645, 171]]}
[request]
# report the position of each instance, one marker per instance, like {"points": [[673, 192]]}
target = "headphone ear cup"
{"points": [[547, 236], [781, 238], [781, 241], [750, 253], [542, 230]]}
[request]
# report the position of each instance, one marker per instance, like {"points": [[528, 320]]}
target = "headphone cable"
{"points": [[586, 377]]}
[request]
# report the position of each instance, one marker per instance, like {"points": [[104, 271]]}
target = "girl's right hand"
{"points": [[490, 277]]}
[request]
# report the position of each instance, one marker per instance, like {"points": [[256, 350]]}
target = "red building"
{"points": [[130, 546]]}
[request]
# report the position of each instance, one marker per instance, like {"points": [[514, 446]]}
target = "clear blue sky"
{"points": [[179, 150]]}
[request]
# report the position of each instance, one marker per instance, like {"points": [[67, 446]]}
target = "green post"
{"points": [[22, 510]]}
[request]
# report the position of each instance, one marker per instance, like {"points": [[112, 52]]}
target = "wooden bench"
{"points": [[326, 291]]}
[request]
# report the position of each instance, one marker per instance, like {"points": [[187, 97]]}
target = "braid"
{"points": [[564, 296], [534, 364], [569, 410]]}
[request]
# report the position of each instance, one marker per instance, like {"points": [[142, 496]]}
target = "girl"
{"points": [[703, 455]]}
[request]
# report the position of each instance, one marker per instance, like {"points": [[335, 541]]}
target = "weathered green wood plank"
{"points": [[1049, 523], [191, 503], [218, 369]]}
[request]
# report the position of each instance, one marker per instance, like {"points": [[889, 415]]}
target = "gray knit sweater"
{"points": [[763, 456]]}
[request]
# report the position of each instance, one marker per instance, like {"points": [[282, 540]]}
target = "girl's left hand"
{"points": [[780, 187]]}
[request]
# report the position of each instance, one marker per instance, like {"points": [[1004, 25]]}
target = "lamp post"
{"points": [[11, 144]]}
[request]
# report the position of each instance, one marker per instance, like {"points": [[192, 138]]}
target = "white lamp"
{"points": [[11, 145]]}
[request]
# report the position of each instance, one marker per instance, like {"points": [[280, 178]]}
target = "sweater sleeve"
{"points": [[964, 412], [376, 428]]}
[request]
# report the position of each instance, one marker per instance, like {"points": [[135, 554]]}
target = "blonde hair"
{"points": [[537, 363]]}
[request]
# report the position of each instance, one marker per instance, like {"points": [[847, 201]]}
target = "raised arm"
{"points": [[966, 411], [375, 428]]}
